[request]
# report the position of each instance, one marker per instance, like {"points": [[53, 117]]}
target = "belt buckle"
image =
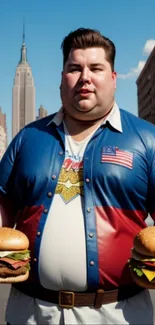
{"points": [[70, 295]]}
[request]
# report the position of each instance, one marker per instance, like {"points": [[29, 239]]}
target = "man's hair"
{"points": [[83, 38]]}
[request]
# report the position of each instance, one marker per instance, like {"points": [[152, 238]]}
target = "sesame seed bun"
{"points": [[12, 240], [144, 241], [15, 279]]}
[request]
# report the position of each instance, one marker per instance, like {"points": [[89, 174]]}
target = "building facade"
{"points": [[23, 94], [146, 90], [3, 133]]}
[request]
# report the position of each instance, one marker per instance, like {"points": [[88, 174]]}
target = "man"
{"points": [[80, 184]]}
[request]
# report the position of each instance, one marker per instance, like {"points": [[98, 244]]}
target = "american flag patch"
{"points": [[114, 155]]}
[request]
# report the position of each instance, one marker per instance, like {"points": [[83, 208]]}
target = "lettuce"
{"points": [[138, 271], [23, 255], [28, 267]]}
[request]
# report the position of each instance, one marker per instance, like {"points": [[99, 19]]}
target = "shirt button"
{"points": [[89, 210], [91, 263], [87, 180], [54, 177], [91, 235], [38, 233], [60, 153], [45, 210], [35, 259], [49, 194]]}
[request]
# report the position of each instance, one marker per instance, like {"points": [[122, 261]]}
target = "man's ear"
{"points": [[114, 77], [61, 79]]}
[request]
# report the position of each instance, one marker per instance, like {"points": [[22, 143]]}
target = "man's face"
{"points": [[88, 84]]}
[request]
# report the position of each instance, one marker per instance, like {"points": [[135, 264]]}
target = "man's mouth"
{"points": [[84, 91]]}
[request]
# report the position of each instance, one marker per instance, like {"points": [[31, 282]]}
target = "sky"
{"points": [[130, 24]]}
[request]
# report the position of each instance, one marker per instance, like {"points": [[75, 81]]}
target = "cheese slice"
{"points": [[5, 253], [149, 274]]}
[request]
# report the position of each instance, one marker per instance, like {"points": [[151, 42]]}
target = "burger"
{"points": [[14, 256], [142, 263]]}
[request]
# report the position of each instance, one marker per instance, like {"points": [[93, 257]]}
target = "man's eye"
{"points": [[96, 69], [75, 69]]}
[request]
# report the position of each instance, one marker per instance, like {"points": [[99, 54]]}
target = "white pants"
{"points": [[22, 309]]}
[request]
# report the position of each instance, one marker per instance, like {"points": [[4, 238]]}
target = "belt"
{"points": [[69, 299]]}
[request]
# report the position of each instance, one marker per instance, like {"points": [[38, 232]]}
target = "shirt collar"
{"points": [[58, 118], [113, 118]]}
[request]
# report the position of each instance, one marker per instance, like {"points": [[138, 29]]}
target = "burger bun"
{"points": [[14, 279], [144, 241], [12, 240]]}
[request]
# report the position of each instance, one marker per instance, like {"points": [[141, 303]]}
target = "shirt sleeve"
{"points": [[8, 206], [151, 190]]}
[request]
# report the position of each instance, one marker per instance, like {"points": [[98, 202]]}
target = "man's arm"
{"points": [[4, 218], [7, 213], [151, 190], [7, 171]]}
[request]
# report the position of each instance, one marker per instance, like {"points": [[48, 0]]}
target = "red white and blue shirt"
{"points": [[116, 175], [118, 189]]}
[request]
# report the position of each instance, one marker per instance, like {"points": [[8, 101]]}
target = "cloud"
{"points": [[134, 72], [148, 47]]}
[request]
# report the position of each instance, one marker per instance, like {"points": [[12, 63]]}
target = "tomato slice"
{"points": [[149, 263]]}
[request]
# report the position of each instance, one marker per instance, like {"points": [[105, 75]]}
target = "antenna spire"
{"points": [[23, 57], [23, 32]]}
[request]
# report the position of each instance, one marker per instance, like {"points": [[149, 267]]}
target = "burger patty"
{"points": [[6, 272]]}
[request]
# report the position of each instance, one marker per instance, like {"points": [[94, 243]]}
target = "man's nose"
{"points": [[85, 76]]}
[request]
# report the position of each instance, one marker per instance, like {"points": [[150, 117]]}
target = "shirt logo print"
{"points": [[70, 183]]}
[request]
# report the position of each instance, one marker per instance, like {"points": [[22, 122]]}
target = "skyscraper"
{"points": [[146, 90], [42, 112], [23, 94]]}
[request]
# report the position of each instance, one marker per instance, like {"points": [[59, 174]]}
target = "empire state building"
{"points": [[23, 94]]}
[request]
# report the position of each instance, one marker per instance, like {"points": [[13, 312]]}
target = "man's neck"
{"points": [[79, 130]]}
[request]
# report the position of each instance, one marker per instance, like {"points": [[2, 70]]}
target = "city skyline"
{"points": [[130, 25]]}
